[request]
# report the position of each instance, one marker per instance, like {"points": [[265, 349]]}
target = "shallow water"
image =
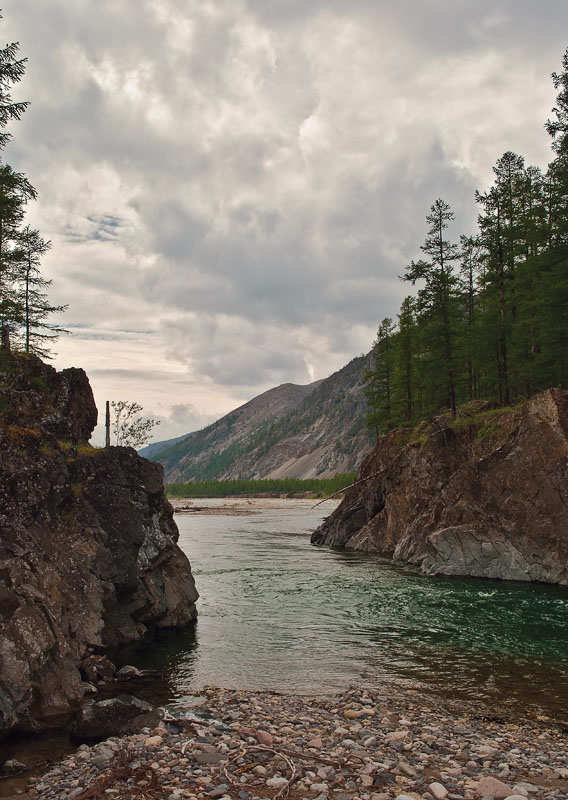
{"points": [[278, 613]]}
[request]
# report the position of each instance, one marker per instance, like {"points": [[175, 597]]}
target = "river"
{"points": [[278, 613]]}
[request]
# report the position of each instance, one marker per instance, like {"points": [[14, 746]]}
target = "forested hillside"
{"points": [[318, 433], [490, 319]]}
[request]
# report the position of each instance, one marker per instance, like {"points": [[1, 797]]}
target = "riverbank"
{"points": [[241, 506], [358, 744]]}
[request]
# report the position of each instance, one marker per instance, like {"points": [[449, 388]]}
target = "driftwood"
{"points": [[374, 475]]}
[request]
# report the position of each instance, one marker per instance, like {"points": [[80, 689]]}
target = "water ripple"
{"points": [[276, 613]]}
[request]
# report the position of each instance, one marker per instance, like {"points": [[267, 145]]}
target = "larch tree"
{"points": [[438, 301]]}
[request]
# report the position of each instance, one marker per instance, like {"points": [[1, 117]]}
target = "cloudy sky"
{"points": [[232, 187]]}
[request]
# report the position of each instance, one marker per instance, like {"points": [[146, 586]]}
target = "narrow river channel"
{"points": [[278, 613]]}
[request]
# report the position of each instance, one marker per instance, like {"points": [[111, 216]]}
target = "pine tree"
{"points": [[378, 378], [439, 303], [15, 192], [37, 333]]}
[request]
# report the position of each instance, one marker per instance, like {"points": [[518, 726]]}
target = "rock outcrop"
{"points": [[483, 495], [88, 553]]}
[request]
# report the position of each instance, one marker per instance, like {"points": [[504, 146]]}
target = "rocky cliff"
{"points": [[483, 495], [88, 553]]}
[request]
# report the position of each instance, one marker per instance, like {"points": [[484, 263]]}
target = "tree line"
{"points": [[490, 318], [24, 305], [318, 487]]}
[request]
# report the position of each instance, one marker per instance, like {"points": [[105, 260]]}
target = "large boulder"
{"points": [[481, 495], [116, 716]]}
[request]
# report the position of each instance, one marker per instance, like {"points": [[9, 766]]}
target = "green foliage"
{"points": [[316, 487], [378, 379], [82, 450], [39, 384], [130, 429], [490, 318], [24, 308]]}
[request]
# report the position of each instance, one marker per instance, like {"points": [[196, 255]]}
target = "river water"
{"points": [[277, 613]]}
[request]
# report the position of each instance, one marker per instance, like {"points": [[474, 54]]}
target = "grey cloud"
{"points": [[251, 177]]}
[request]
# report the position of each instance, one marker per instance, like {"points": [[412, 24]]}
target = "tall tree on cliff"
{"points": [[14, 189], [32, 294], [379, 377], [15, 192], [439, 305], [23, 298], [553, 290]]}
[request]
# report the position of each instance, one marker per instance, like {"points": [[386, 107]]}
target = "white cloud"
{"points": [[242, 182]]}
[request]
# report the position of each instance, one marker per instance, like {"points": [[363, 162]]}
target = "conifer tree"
{"points": [[379, 378], [32, 296], [439, 303]]}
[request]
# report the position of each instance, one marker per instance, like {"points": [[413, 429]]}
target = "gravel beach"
{"points": [[360, 744]]}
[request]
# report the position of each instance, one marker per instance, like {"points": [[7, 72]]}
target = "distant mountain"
{"points": [[150, 449], [290, 431]]}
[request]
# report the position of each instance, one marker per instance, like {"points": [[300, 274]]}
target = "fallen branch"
{"points": [[374, 475]]}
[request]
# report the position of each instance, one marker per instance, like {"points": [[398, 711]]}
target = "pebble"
{"points": [[257, 745], [438, 791]]}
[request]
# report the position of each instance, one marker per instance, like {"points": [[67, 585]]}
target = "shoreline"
{"points": [[371, 745]]}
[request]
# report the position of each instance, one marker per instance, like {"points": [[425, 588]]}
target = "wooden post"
{"points": [[107, 424]]}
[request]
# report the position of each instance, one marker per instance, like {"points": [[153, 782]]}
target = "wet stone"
{"points": [[410, 748]]}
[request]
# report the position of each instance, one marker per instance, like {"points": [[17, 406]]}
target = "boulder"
{"points": [[117, 716]]}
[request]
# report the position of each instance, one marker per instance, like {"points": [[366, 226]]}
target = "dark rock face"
{"points": [[88, 553], [35, 395], [487, 498]]}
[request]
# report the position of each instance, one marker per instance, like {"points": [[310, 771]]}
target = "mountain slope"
{"points": [[290, 431], [198, 455]]}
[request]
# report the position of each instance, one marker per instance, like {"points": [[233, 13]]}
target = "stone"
{"points": [[319, 787], [438, 791], [316, 743], [113, 717], [326, 773], [277, 783], [265, 738], [153, 741], [218, 791], [209, 758], [12, 766], [127, 672], [486, 751], [399, 736], [95, 668], [492, 787]]}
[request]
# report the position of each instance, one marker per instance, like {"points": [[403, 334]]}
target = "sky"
{"points": [[232, 188]]}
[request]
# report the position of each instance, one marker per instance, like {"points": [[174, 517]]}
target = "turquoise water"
{"points": [[278, 613]]}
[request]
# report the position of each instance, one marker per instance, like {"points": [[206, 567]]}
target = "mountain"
{"points": [[290, 431]]}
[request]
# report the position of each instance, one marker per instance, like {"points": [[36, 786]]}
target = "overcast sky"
{"points": [[232, 187]]}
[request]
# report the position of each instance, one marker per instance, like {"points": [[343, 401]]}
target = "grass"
{"points": [[82, 450]]}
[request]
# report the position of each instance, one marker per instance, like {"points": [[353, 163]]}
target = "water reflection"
{"points": [[276, 613]]}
